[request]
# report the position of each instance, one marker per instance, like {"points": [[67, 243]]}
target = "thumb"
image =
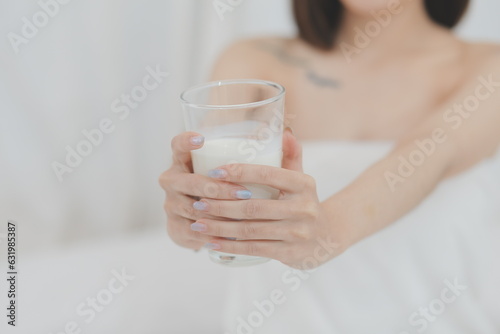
{"points": [[182, 145], [292, 152]]}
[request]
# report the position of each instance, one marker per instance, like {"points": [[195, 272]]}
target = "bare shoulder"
{"points": [[486, 56], [248, 58], [474, 114]]}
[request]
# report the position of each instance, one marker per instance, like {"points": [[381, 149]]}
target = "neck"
{"points": [[391, 31]]}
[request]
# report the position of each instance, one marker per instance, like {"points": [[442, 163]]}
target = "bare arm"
{"points": [[461, 133]]}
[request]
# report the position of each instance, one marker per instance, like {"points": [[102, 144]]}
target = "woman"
{"points": [[400, 122]]}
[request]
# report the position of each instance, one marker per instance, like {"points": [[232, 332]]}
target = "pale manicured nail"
{"points": [[217, 173], [243, 194], [212, 246], [197, 140], [200, 206], [198, 227]]}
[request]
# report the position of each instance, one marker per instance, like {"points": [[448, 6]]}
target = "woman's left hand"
{"points": [[293, 229]]}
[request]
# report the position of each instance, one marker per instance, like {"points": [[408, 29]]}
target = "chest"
{"points": [[381, 105]]}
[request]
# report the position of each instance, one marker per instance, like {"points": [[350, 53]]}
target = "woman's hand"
{"points": [[183, 188], [293, 229]]}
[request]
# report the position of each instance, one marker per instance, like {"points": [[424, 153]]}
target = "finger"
{"points": [[206, 187], [251, 209], [279, 178], [183, 144], [264, 248], [292, 152], [183, 206], [267, 230], [179, 230]]}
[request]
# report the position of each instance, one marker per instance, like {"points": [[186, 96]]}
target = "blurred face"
{"points": [[364, 7]]}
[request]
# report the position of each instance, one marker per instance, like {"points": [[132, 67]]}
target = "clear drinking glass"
{"points": [[242, 122]]}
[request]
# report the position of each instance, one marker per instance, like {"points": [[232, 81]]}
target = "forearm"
{"points": [[387, 191], [451, 140]]}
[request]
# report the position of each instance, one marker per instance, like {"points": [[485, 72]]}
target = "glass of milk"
{"points": [[242, 122]]}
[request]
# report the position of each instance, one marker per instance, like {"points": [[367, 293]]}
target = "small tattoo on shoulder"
{"points": [[322, 81], [281, 54]]}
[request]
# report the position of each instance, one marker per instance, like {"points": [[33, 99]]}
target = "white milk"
{"points": [[223, 151]]}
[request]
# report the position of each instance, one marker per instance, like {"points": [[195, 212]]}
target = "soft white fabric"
{"points": [[376, 285], [373, 288], [173, 290]]}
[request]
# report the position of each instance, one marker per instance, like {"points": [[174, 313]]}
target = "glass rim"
{"points": [[218, 83]]}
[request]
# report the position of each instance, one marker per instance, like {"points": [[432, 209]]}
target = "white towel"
{"points": [[434, 271]]}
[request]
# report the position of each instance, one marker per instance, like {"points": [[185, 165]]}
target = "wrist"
{"points": [[340, 226]]}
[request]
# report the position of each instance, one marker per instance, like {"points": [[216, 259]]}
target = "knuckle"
{"points": [[169, 226], [217, 189], [236, 171], [251, 209], [173, 229], [187, 211], [248, 231], [215, 230], [309, 182], [182, 236], [211, 190], [304, 210], [198, 186], [165, 179], [215, 208], [167, 206], [192, 235], [251, 248], [176, 141], [161, 179], [266, 174], [300, 232], [309, 210], [190, 182]]}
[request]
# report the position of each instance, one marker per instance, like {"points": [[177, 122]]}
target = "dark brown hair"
{"points": [[318, 21]]}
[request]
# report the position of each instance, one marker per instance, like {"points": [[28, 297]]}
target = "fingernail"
{"points": [[217, 173], [198, 227], [212, 246], [197, 140], [243, 194], [200, 206], [290, 129]]}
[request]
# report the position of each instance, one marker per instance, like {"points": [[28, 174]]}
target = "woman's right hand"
{"points": [[183, 189]]}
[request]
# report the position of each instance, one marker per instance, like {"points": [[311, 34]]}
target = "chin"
{"points": [[365, 7]]}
